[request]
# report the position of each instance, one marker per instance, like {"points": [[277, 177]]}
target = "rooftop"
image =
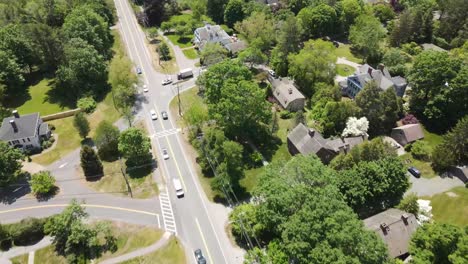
{"points": [[412, 132], [284, 90], [26, 127]]}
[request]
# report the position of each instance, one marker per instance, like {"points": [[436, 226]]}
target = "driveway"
{"points": [[429, 187]]}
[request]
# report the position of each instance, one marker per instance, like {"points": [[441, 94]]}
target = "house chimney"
{"points": [[369, 71], [404, 217], [381, 66], [15, 113], [290, 90], [384, 228], [311, 132], [13, 124]]}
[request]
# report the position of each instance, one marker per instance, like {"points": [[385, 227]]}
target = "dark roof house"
{"points": [[407, 134], [286, 93], [304, 140], [395, 227], [25, 131], [365, 74]]}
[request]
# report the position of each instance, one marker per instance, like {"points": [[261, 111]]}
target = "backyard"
{"points": [[128, 238], [344, 70], [451, 207], [190, 53], [344, 51]]}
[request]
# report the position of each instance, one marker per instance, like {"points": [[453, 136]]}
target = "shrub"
{"points": [[42, 183], [285, 114], [51, 127], [421, 151], [256, 158], [87, 104], [409, 119], [27, 231]]}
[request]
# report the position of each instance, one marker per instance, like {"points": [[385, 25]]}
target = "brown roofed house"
{"points": [[395, 227], [304, 140], [286, 93], [407, 134]]}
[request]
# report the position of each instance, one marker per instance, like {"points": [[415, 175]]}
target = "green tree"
{"points": [[410, 204], [212, 53], [318, 21], [14, 40], [351, 9], [106, 139], [75, 239], [198, 8], [366, 35], [435, 243], [313, 64], [135, 146], [234, 12], [47, 44], [215, 9], [289, 39], [11, 75], [374, 186], [453, 22], [395, 60], [90, 163], [10, 163], [84, 23], [332, 115], [252, 55], [123, 80], [42, 183], [258, 28], [81, 124], [230, 169], [454, 147], [438, 89], [383, 12], [164, 52], [82, 71], [194, 117], [244, 218], [373, 150]]}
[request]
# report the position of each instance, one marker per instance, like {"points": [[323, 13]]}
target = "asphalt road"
{"points": [[194, 221]]}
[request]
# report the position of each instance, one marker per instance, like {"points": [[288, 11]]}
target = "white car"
{"points": [[178, 188], [272, 73], [166, 81], [153, 114], [145, 88], [165, 154]]}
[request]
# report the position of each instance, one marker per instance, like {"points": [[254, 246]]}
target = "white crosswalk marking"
{"points": [[166, 133], [167, 213]]}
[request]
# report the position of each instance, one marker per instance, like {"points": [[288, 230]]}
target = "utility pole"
{"points": [[178, 99], [129, 189]]}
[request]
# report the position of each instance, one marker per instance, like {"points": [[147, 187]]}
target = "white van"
{"points": [[178, 188]]}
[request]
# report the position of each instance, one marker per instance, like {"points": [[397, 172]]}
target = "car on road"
{"points": [[145, 88], [178, 188], [153, 114], [199, 256], [138, 70], [164, 115], [166, 81], [165, 154], [272, 73], [415, 172]]}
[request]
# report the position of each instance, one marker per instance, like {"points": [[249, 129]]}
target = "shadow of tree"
{"points": [[15, 191]]}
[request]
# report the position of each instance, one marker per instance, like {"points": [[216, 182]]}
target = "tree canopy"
{"points": [[10, 163], [135, 146], [366, 35]]}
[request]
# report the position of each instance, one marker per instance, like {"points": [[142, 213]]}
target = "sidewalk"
{"points": [[18, 251]]}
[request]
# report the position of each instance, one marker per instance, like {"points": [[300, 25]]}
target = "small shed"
{"points": [[407, 134]]}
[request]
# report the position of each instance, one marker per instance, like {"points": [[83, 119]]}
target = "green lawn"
{"points": [[452, 208], [172, 253], [187, 99], [190, 53], [181, 41], [344, 70], [39, 101], [128, 238], [344, 51], [431, 139]]}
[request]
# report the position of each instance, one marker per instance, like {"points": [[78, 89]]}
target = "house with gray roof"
{"points": [[395, 227], [407, 134], [287, 94], [25, 132], [305, 141], [215, 34], [365, 74]]}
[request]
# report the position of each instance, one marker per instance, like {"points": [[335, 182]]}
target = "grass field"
{"points": [[451, 207], [39, 101], [172, 253], [344, 70], [344, 51], [128, 238], [190, 53], [181, 41]]}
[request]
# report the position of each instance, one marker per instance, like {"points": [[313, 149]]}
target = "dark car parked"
{"points": [[415, 172]]}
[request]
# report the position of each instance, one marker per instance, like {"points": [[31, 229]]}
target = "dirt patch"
{"points": [[451, 194]]}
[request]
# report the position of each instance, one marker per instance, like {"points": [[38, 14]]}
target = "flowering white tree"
{"points": [[356, 127]]}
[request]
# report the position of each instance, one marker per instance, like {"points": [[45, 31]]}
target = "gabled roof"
{"points": [[395, 227], [307, 140], [235, 46], [366, 73], [284, 90], [412, 132], [27, 127], [430, 46]]}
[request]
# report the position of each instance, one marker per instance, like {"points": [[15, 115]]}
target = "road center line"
{"points": [[204, 241]]}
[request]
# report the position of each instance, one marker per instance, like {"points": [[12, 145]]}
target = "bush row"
{"points": [[26, 232]]}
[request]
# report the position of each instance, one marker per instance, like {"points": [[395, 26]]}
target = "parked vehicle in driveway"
{"points": [[415, 172], [178, 188], [199, 256], [272, 73], [185, 73]]}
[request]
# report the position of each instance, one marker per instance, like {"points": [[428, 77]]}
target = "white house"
{"points": [[25, 132]]}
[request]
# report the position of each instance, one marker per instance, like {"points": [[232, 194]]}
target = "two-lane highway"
{"points": [[190, 218]]}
